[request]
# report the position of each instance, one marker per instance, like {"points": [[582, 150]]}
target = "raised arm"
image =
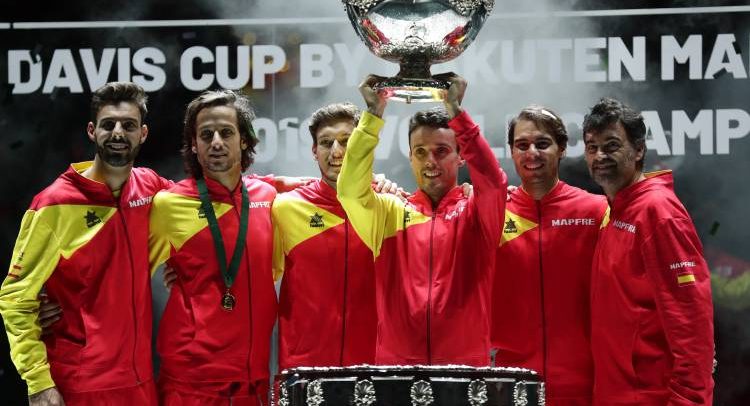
{"points": [[367, 211], [489, 181]]}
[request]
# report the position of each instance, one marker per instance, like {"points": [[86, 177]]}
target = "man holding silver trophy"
{"points": [[432, 287]]}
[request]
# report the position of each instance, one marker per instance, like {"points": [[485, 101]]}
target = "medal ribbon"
{"points": [[227, 274]]}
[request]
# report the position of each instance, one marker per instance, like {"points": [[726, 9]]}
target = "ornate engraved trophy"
{"points": [[416, 34]]}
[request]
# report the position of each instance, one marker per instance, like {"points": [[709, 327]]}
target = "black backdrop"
{"points": [[43, 129]]}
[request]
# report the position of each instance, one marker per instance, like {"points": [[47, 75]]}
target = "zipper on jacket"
{"points": [[346, 284], [132, 291], [541, 293], [245, 258], [429, 295]]}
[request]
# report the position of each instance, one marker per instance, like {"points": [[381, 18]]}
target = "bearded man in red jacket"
{"points": [[651, 310], [83, 240]]}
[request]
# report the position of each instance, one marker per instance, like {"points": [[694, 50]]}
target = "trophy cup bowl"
{"points": [[416, 34]]}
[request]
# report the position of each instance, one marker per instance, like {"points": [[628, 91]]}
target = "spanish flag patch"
{"points": [[685, 279]]}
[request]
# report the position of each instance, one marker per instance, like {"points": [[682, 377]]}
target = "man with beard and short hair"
{"points": [[434, 254], [214, 228], [542, 282], [84, 240], [327, 301], [651, 311]]}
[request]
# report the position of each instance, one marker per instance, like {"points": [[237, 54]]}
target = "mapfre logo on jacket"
{"points": [[456, 211], [141, 201], [574, 222]]}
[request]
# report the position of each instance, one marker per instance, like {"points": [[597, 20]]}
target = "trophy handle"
{"points": [[413, 84], [412, 90]]}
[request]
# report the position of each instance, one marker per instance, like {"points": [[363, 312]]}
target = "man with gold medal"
{"points": [[214, 229]]}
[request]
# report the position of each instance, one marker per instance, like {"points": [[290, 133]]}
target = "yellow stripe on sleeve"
{"points": [[368, 214], [373, 216]]}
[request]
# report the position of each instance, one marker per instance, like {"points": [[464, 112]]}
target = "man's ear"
{"points": [[640, 151], [90, 131], [144, 133]]}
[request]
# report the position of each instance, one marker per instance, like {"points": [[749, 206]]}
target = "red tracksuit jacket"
{"points": [[540, 313], [88, 248], [327, 301], [651, 311], [433, 268], [199, 341]]}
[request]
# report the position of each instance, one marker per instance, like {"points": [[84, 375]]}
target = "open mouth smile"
{"points": [[117, 146], [603, 167], [533, 166]]}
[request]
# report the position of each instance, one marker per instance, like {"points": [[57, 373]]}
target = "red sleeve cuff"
{"points": [[463, 124]]}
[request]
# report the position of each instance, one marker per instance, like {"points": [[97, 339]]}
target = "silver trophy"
{"points": [[416, 34]]}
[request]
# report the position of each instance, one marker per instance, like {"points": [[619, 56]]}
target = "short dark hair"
{"points": [[117, 92], [435, 117], [331, 113], [214, 98], [545, 119], [609, 111]]}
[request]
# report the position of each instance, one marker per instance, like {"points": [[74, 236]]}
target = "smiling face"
{"points": [[612, 159], [329, 148], [536, 154], [218, 144], [434, 159], [118, 133]]}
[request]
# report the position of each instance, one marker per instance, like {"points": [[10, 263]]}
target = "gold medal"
{"points": [[227, 301]]}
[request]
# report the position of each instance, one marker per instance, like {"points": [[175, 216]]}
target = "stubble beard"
{"points": [[120, 159], [218, 166]]}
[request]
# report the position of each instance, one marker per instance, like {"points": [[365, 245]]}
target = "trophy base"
{"points": [[413, 90]]}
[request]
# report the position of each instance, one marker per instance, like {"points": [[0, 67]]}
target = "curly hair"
{"points": [[609, 111], [214, 98]]}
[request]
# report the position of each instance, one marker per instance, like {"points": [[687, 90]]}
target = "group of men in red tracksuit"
{"points": [[608, 298]]}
